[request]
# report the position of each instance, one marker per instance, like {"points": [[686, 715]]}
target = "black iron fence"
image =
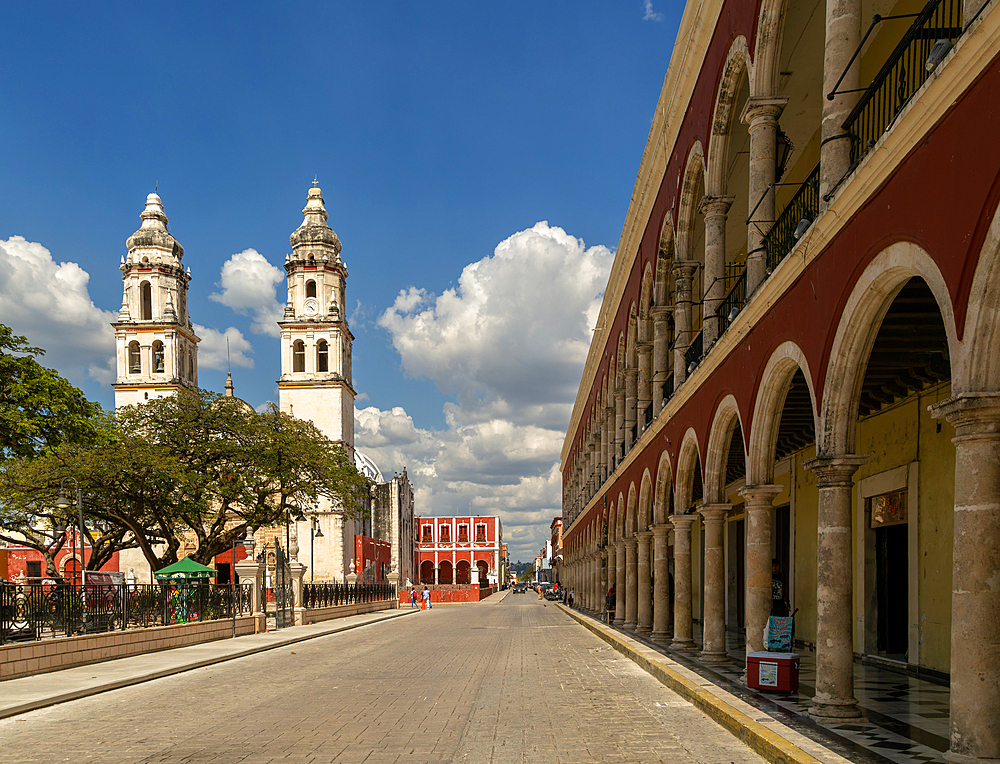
{"points": [[329, 594], [694, 353], [733, 302], [804, 206], [36, 611], [906, 69]]}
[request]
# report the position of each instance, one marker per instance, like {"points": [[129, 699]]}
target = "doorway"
{"points": [[891, 590]]}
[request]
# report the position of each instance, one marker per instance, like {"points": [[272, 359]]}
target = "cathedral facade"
{"points": [[157, 355]]}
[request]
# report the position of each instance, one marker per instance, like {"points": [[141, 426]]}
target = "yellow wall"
{"points": [[804, 517]]}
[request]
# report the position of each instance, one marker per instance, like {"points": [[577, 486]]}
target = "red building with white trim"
{"points": [[459, 550]]}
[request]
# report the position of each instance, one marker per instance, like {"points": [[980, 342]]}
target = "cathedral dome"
{"points": [[314, 230], [367, 467]]}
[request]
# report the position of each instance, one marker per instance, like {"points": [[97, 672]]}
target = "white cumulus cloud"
{"points": [[648, 13], [215, 353], [49, 303], [509, 343], [510, 340], [248, 284]]}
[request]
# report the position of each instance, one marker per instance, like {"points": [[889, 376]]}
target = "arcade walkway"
{"points": [[906, 719]]}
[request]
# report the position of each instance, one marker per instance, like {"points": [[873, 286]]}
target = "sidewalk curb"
{"points": [[97, 689], [766, 742]]}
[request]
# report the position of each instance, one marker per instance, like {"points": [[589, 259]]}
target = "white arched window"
{"points": [[158, 358], [310, 288], [145, 301], [134, 358], [322, 356], [298, 356]]}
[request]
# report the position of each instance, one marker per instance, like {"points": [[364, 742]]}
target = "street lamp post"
{"points": [[62, 503], [315, 532]]}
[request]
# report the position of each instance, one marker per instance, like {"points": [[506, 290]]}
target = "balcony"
{"points": [[695, 352], [801, 210], [935, 28], [733, 302]]}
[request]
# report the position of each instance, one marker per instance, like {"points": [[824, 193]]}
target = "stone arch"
{"points": [[687, 461], [145, 301], [631, 355], [645, 303], [620, 518], [767, 48], [786, 359], [664, 483], [630, 512], [645, 509], [690, 198], [978, 368], [737, 67], [860, 321], [727, 416]]}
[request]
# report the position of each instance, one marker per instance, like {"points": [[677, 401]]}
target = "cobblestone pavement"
{"points": [[516, 681]]}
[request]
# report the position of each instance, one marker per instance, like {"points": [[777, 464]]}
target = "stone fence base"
{"points": [[26, 658], [320, 614]]}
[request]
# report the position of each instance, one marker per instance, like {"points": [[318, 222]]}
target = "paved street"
{"points": [[516, 681]]}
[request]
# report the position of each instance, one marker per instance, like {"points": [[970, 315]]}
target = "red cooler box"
{"points": [[777, 672]]}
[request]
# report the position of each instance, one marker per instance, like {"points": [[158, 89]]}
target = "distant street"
{"points": [[500, 683]]}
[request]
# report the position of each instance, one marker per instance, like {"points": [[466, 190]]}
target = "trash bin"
{"points": [[775, 672]]}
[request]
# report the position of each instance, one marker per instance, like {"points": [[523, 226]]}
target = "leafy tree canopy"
{"points": [[38, 408], [185, 467]]}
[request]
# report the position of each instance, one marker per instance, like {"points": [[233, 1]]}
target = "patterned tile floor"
{"points": [[905, 718]]}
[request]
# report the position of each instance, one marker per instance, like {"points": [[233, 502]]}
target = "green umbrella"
{"points": [[186, 568]]}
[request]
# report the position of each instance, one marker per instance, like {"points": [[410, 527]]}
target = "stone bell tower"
{"points": [[315, 379], [157, 350]]}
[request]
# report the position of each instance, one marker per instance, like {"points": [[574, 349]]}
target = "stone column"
{"points": [[714, 208], [683, 274], [713, 645], [761, 117], [975, 598], [619, 421], [843, 35], [644, 609], [834, 698], [661, 585], [609, 437], [612, 570], [605, 448], [620, 583], [970, 9], [631, 583], [595, 575], [758, 511], [298, 571], [602, 579], [682, 582], [661, 351], [631, 388], [251, 570], [644, 390]]}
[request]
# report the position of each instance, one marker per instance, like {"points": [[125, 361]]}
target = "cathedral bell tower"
{"points": [[315, 379], [156, 345]]}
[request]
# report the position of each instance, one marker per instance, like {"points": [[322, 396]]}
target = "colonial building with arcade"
{"points": [[798, 352], [460, 550]]}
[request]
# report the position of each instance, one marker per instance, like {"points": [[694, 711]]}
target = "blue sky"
{"points": [[439, 132]]}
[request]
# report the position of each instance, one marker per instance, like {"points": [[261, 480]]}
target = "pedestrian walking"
{"points": [[609, 603], [427, 599], [570, 598], [413, 598]]}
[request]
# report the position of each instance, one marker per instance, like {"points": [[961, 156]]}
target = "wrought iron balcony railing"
{"points": [[733, 302], [785, 231], [695, 351], [907, 68]]}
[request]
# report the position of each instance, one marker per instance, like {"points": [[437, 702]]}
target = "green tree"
{"points": [[38, 408], [186, 467]]}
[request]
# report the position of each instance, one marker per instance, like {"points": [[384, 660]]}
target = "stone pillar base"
{"points": [[683, 644], [644, 630], [834, 711], [713, 657], [662, 637]]}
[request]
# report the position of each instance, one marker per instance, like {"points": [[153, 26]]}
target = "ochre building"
{"points": [[798, 353]]}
